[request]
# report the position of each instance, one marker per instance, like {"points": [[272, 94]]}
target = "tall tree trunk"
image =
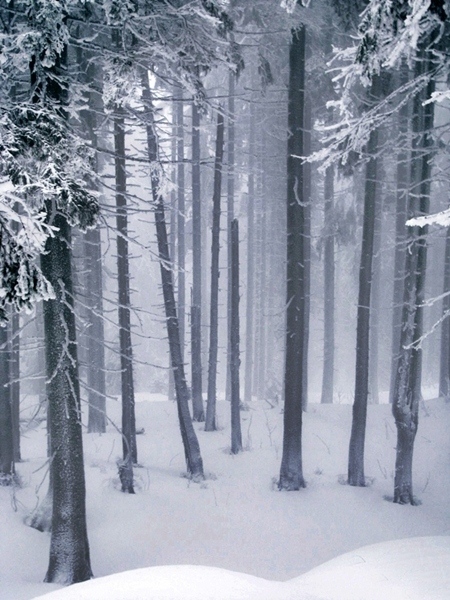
{"points": [[444, 373], [260, 378], [230, 216], [193, 457], [291, 471], [250, 259], [173, 219], [400, 233], [210, 422], [356, 451], [198, 412], [15, 383], [407, 391], [374, 396], [329, 275], [306, 242], [181, 221], [129, 448], [235, 361], [69, 548], [6, 418]]}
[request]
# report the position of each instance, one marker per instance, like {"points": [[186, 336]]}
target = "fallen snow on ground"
{"points": [[235, 520]]}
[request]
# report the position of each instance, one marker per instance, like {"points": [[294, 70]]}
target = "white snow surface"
{"points": [[235, 533]]}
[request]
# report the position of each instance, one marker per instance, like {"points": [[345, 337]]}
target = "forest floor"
{"points": [[236, 519]]}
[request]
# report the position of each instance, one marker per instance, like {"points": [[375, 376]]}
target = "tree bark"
{"points": [[444, 372], [69, 549], [181, 221], [129, 449], [356, 451], [193, 457], [210, 422], [198, 412], [15, 383], [291, 471], [235, 361], [6, 417], [374, 396], [407, 390]]}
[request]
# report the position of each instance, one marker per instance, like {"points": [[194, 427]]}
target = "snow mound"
{"points": [[409, 569]]}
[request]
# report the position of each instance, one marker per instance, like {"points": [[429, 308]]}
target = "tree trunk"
{"points": [[306, 242], [193, 457], [129, 448], [400, 233], [444, 374], [407, 390], [291, 472], [235, 361], [356, 451], [250, 260], [181, 220], [210, 422], [69, 548], [230, 216], [6, 418], [15, 383], [329, 274], [198, 412], [173, 220], [374, 396]]}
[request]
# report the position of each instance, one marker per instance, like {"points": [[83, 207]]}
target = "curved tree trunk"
{"points": [[193, 457]]}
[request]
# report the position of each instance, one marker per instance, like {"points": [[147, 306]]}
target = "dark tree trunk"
{"points": [[6, 419], [444, 373], [230, 216], [291, 472], [193, 457], [356, 451], [374, 396], [400, 233], [407, 390], [235, 361], [123, 282], [306, 243], [15, 383], [210, 422], [329, 274], [250, 260], [173, 220], [69, 548], [198, 412]]}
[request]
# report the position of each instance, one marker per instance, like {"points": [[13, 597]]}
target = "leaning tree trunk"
{"points": [[356, 451], [291, 472], [69, 548], [236, 437], [193, 457], [210, 422], [129, 448], [407, 390], [6, 418], [198, 413]]}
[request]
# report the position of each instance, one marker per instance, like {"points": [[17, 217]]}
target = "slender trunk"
{"points": [[236, 437], [444, 374], [193, 457], [329, 275], [230, 217], [291, 471], [123, 281], [15, 383], [198, 412], [260, 379], [407, 390], [181, 220], [210, 422], [250, 259], [173, 220], [400, 234], [6, 418], [356, 451], [69, 548], [306, 244], [375, 303]]}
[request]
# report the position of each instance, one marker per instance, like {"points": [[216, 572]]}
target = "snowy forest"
{"points": [[225, 275]]}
